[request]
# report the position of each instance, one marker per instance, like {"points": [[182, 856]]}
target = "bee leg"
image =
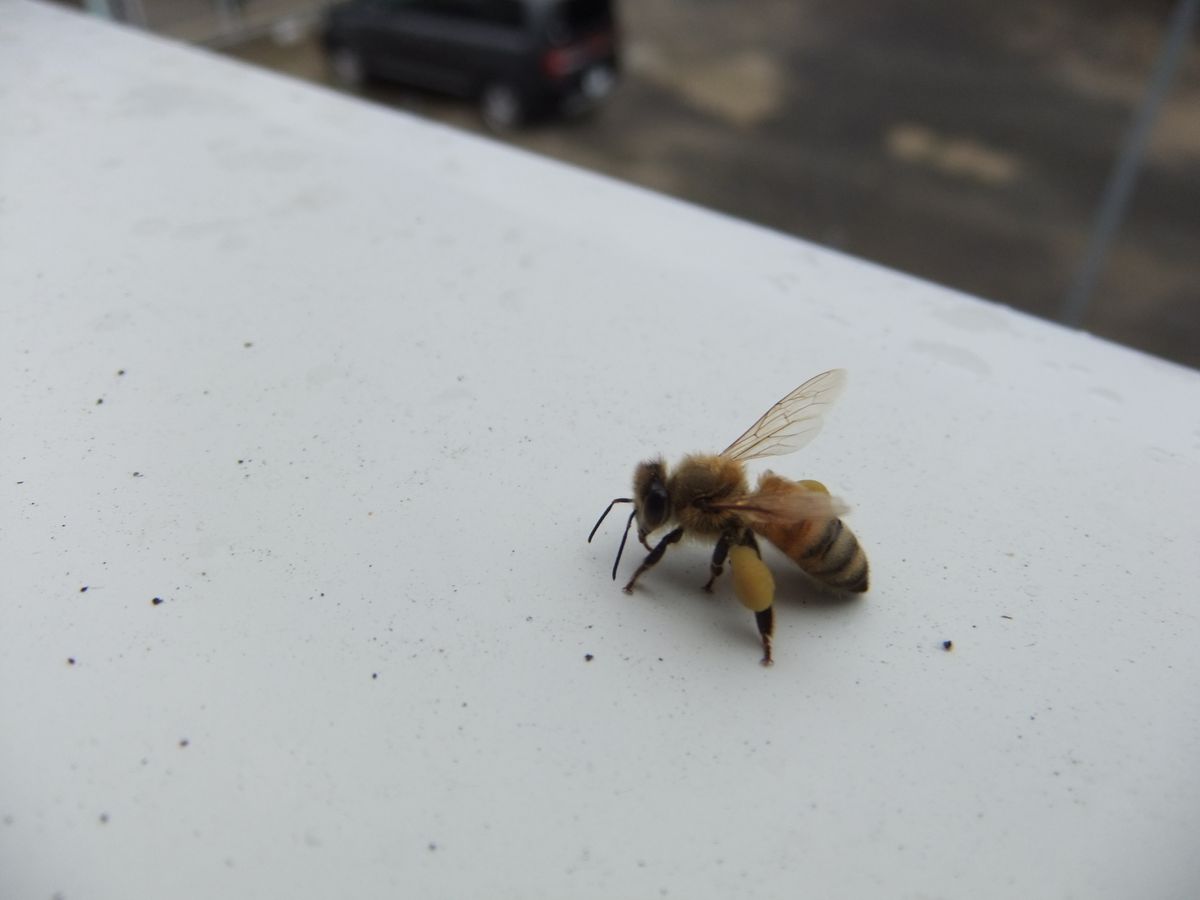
{"points": [[766, 628], [720, 551], [655, 555], [765, 620]]}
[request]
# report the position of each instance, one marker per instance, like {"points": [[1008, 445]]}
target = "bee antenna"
{"points": [[621, 549], [607, 510]]}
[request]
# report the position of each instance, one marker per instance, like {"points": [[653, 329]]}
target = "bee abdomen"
{"points": [[824, 548]]}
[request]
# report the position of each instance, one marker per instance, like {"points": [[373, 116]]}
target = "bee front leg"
{"points": [[655, 555]]}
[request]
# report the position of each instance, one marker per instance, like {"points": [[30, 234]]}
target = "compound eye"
{"points": [[654, 512]]}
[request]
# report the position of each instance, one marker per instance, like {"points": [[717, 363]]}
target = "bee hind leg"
{"points": [[766, 628], [654, 556]]}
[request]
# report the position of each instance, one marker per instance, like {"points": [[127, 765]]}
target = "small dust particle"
{"points": [[100, 402], [103, 818], [374, 674], [157, 600], [183, 742], [70, 660], [432, 846], [1005, 617], [589, 657], [248, 344], [120, 371], [83, 590], [947, 645]]}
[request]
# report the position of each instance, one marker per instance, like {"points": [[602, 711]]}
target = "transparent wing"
{"points": [[793, 421], [784, 508]]}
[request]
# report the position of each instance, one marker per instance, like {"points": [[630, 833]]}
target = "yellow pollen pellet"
{"points": [[752, 580], [814, 486]]}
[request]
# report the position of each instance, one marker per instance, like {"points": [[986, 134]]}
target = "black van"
{"points": [[519, 58]]}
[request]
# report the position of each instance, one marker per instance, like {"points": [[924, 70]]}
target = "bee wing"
{"points": [[792, 422], [783, 508]]}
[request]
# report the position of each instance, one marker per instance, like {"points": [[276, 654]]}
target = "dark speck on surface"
{"points": [[589, 657], [432, 846], [103, 818], [248, 344], [947, 645], [100, 401], [184, 742], [83, 590], [374, 674], [70, 660], [157, 600], [120, 371]]}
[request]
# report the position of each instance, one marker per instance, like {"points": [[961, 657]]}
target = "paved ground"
{"points": [[967, 143]]}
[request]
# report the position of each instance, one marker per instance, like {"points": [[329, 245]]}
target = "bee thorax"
{"points": [[699, 482]]}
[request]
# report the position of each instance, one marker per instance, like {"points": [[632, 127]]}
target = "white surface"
{"points": [[456, 355]]}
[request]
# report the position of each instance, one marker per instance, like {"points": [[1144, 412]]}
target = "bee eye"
{"points": [[650, 494], [654, 512]]}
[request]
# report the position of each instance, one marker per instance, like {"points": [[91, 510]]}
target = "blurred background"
{"points": [[1043, 155]]}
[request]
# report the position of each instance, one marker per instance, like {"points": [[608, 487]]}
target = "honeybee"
{"points": [[708, 497]]}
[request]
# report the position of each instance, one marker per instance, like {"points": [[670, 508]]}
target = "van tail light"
{"points": [[558, 62], [561, 61]]}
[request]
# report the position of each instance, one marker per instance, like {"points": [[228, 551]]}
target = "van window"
{"points": [[510, 13], [503, 12]]}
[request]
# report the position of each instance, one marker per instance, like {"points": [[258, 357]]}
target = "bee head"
{"points": [[650, 497], [651, 505]]}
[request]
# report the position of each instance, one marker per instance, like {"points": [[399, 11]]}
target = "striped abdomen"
{"points": [[824, 548]]}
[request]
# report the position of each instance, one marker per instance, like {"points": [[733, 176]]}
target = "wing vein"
{"points": [[792, 422]]}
